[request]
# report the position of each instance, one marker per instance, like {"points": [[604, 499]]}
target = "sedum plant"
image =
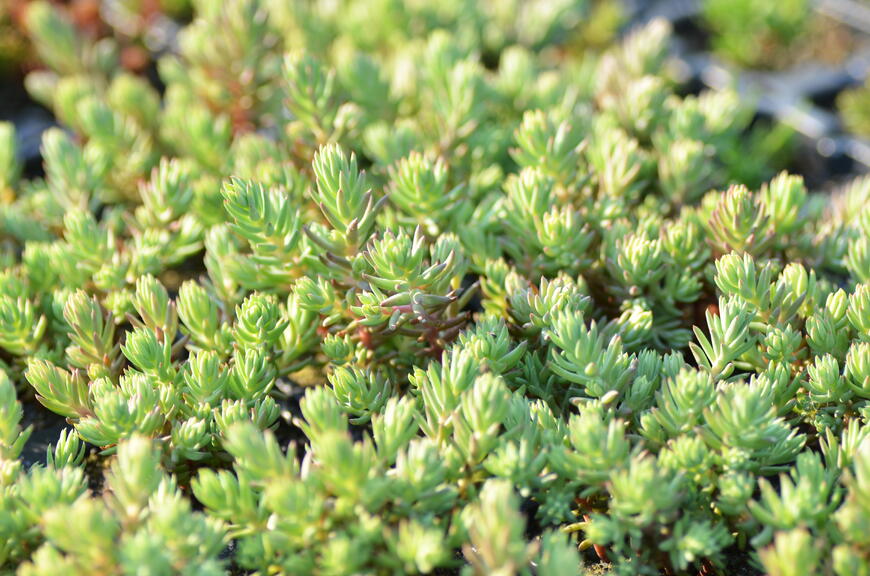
{"points": [[757, 34], [52, 523], [344, 299], [775, 36], [853, 108]]}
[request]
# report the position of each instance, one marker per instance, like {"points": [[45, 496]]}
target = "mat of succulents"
{"points": [[477, 288]]}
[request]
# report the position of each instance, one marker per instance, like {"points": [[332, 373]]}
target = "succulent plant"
{"points": [[348, 299]]}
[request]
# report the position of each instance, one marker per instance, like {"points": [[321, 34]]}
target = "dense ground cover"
{"points": [[395, 288]]}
